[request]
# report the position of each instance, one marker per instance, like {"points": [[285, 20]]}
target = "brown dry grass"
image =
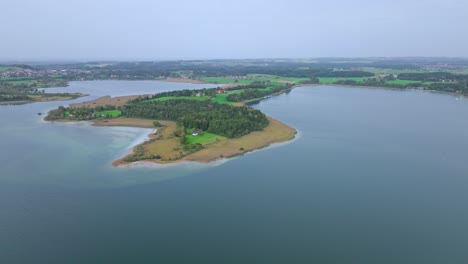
{"points": [[275, 132], [123, 121], [106, 100], [64, 97], [165, 144]]}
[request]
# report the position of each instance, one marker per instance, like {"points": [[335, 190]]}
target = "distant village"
{"points": [[21, 72]]}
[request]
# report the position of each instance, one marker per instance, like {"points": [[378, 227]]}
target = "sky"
{"points": [[217, 29]]}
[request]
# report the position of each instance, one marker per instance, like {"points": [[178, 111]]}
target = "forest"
{"points": [[221, 119]]}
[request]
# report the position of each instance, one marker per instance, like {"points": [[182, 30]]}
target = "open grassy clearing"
{"points": [[402, 82], [109, 113], [204, 138], [221, 98]]}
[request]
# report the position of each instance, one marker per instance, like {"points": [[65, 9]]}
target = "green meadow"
{"points": [[111, 113], [401, 82], [204, 138]]}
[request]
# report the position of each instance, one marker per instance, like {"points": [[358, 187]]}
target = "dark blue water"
{"points": [[375, 176]]}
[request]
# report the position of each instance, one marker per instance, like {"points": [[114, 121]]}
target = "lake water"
{"points": [[375, 176]]}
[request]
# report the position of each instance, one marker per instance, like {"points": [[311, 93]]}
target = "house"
{"points": [[194, 134], [219, 91]]}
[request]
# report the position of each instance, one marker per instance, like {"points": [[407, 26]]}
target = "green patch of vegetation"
{"points": [[167, 98], [267, 89], [109, 113], [221, 98], [401, 82], [203, 138]]}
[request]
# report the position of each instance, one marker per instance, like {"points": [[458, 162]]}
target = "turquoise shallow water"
{"points": [[77, 155], [375, 176]]}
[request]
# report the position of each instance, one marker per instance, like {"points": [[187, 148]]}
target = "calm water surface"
{"points": [[375, 176]]}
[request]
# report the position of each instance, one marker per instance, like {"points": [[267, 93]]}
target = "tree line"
{"points": [[221, 119]]}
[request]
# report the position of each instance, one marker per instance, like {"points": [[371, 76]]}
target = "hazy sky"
{"points": [[206, 29]]}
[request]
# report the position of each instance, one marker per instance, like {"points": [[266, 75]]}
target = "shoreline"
{"points": [[183, 80], [276, 132], [382, 88], [225, 149]]}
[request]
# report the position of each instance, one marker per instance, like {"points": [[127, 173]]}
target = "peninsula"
{"points": [[207, 124], [190, 125]]}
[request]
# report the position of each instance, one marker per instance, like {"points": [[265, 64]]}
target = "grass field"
{"points": [[222, 98], [401, 82], [112, 113], [167, 98], [204, 138]]}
